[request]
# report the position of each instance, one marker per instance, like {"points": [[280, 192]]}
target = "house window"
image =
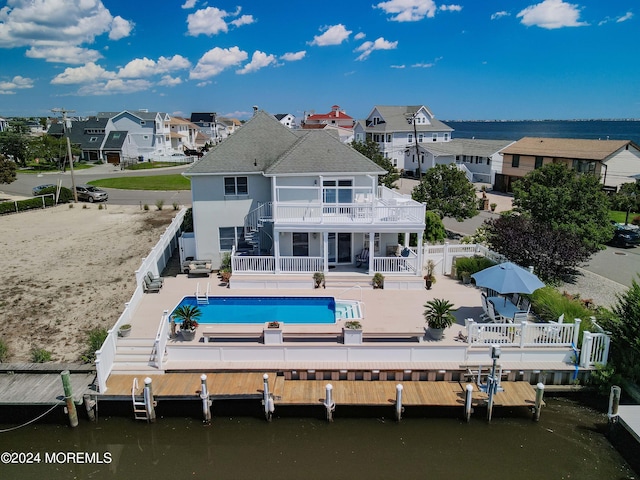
{"points": [[434, 137], [142, 122], [395, 162], [236, 186], [446, 137], [538, 163], [420, 137], [584, 166], [300, 244], [515, 161], [410, 138], [488, 160], [232, 236], [422, 159], [376, 137], [376, 120], [388, 137]]}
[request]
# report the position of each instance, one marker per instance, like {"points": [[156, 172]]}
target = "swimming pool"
{"points": [[258, 310]]}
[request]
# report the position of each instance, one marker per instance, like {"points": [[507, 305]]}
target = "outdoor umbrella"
{"points": [[507, 278]]}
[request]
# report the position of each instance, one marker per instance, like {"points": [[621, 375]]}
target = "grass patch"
{"points": [[618, 216], [152, 165], [156, 182]]}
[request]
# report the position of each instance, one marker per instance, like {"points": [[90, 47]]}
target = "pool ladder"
{"points": [[139, 405], [203, 299]]}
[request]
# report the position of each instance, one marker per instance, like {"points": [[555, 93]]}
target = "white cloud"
{"points": [[497, 15], [408, 10], [145, 67], [422, 65], [189, 4], [258, 60], [380, 44], [450, 8], [625, 17], [115, 86], [86, 74], [204, 84], [16, 83], [551, 14], [359, 36], [169, 81], [64, 54], [294, 56], [58, 28], [211, 21], [398, 66], [120, 28], [216, 60], [333, 35], [243, 20]]}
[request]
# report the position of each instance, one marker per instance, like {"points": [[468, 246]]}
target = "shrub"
{"points": [[95, 339], [187, 221], [175, 205], [4, 351], [40, 355], [472, 265], [159, 204], [145, 207], [353, 325], [434, 228]]}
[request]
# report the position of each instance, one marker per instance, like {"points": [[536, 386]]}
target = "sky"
{"points": [[465, 60]]}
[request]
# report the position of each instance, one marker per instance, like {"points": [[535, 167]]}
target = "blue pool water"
{"points": [[290, 310]]}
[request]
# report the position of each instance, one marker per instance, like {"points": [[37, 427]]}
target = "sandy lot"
{"points": [[68, 270]]}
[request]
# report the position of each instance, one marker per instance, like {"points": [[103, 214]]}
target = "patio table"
{"points": [[503, 306]]}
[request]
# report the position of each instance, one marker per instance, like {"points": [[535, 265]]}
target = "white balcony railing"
{"points": [[301, 264], [349, 213]]}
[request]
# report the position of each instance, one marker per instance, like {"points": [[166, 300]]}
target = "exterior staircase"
{"points": [[133, 355], [253, 223]]}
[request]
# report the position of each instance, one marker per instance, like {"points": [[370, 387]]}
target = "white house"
{"points": [[299, 201], [148, 133], [286, 119], [401, 133], [183, 134]]}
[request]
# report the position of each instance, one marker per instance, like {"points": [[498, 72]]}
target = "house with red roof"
{"points": [[335, 118]]}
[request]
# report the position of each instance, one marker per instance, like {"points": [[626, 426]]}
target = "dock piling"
{"points": [[149, 403], [399, 407], [68, 396], [538, 404], [206, 403], [267, 400], [614, 403], [328, 402], [467, 401], [90, 406]]}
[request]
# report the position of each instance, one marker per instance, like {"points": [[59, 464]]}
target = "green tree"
{"points": [[48, 147], [564, 200], [7, 170], [446, 190], [15, 145], [371, 150], [624, 326], [434, 230]]}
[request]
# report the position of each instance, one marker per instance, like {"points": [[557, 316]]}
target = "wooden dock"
{"points": [[629, 416], [41, 384], [312, 392]]}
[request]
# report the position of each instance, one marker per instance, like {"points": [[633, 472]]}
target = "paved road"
{"points": [[25, 182]]}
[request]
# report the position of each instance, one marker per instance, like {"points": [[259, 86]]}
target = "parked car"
{"points": [[625, 236], [91, 193], [193, 153], [38, 190]]}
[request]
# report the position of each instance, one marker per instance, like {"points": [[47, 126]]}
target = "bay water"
{"points": [[569, 441]]}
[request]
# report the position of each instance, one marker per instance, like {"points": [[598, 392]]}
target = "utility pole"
{"points": [[66, 126], [411, 119]]}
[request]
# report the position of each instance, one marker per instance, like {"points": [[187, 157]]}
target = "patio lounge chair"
{"points": [[153, 279], [363, 257], [150, 287]]}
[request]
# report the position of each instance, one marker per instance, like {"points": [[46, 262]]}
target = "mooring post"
{"points": [[467, 401], [89, 405], [614, 403], [68, 396], [267, 399], [399, 407], [149, 403], [492, 380], [328, 402], [206, 403], [538, 405]]}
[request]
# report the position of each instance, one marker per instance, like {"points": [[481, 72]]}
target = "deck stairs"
{"points": [[254, 222], [137, 398], [134, 355]]}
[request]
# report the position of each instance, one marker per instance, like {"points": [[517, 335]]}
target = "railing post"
{"points": [[523, 332], [576, 331], [606, 339], [585, 354]]}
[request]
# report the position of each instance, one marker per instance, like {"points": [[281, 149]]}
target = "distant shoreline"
{"points": [[551, 120]]}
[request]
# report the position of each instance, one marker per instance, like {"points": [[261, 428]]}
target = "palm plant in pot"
{"points": [[438, 316], [188, 316]]}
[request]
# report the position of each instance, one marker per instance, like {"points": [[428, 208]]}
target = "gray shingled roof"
{"points": [[567, 147], [265, 145], [115, 139], [466, 146], [395, 119]]}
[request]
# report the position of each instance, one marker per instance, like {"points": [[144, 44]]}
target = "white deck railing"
{"points": [[405, 265], [160, 343], [524, 334], [348, 213], [595, 349], [301, 264], [253, 264]]}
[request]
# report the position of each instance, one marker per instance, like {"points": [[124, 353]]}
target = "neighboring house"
{"points": [[298, 201], [149, 133], [335, 118], [183, 134], [116, 148], [481, 160], [208, 126], [396, 129], [286, 119], [88, 135], [614, 161], [4, 125]]}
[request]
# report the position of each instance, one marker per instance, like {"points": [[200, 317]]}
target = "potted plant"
{"points": [[225, 275], [466, 277], [273, 325], [318, 279], [438, 316], [378, 280], [352, 332], [188, 316], [430, 278], [493, 206], [124, 330]]}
